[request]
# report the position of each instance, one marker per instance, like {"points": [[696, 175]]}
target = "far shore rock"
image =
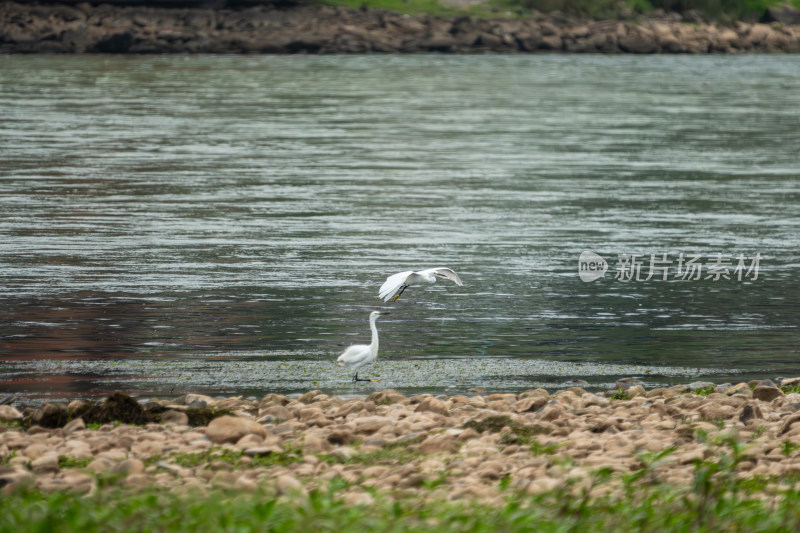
{"points": [[319, 29], [467, 447]]}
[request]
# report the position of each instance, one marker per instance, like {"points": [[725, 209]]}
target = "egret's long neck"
{"points": [[374, 345]]}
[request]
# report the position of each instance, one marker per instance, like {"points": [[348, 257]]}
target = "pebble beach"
{"points": [[459, 447]]}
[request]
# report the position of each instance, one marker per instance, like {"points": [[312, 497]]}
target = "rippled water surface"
{"points": [[222, 224]]}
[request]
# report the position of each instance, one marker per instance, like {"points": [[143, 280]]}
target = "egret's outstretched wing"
{"points": [[393, 284], [448, 273], [354, 356]]}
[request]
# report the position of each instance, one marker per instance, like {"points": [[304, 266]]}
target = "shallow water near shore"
{"points": [[222, 224]]}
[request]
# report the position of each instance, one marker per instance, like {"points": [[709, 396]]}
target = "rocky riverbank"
{"points": [[84, 28], [458, 447]]}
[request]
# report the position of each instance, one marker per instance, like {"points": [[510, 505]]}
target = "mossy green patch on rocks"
{"points": [[519, 434]]}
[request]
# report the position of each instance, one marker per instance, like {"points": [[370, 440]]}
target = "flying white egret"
{"points": [[397, 283], [359, 355]]}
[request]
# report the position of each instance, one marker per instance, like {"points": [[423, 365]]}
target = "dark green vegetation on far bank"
{"points": [[724, 11], [692, 10]]}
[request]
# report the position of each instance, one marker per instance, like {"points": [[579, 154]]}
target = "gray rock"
{"points": [[51, 415], [699, 385], [766, 393], [128, 467], [174, 417], [46, 463], [231, 429], [788, 382], [8, 400], [74, 425], [749, 412], [432, 405], [785, 14], [723, 388], [259, 451], [9, 414], [638, 43], [627, 383]]}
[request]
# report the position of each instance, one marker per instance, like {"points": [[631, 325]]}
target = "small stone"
{"points": [[273, 399], [551, 412], [51, 415], [343, 452], [358, 498], [788, 422], [370, 424], [627, 383], [12, 479], [128, 467], [739, 388], [542, 485], [75, 425], [436, 444], [723, 388], [314, 444], [376, 441], [287, 484], [78, 482], [46, 463], [432, 405], [100, 465], [341, 436], [636, 390], [9, 413], [260, 451], [530, 404], [788, 382], [750, 412], [385, 397], [278, 411], [249, 441], [231, 429], [197, 401], [309, 397], [175, 417], [700, 385], [767, 393], [36, 450]]}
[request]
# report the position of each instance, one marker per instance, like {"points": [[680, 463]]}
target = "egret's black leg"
{"points": [[396, 296]]}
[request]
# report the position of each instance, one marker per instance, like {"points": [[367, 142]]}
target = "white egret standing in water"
{"points": [[359, 355], [397, 283]]}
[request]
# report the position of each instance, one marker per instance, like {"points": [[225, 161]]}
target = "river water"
{"points": [[221, 224]]}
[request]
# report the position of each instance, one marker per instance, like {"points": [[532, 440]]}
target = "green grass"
{"points": [[71, 462], [392, 453], [791, 389], [706, 391], [619, 395], [715, 502], [232, 458], [519, 434]]}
